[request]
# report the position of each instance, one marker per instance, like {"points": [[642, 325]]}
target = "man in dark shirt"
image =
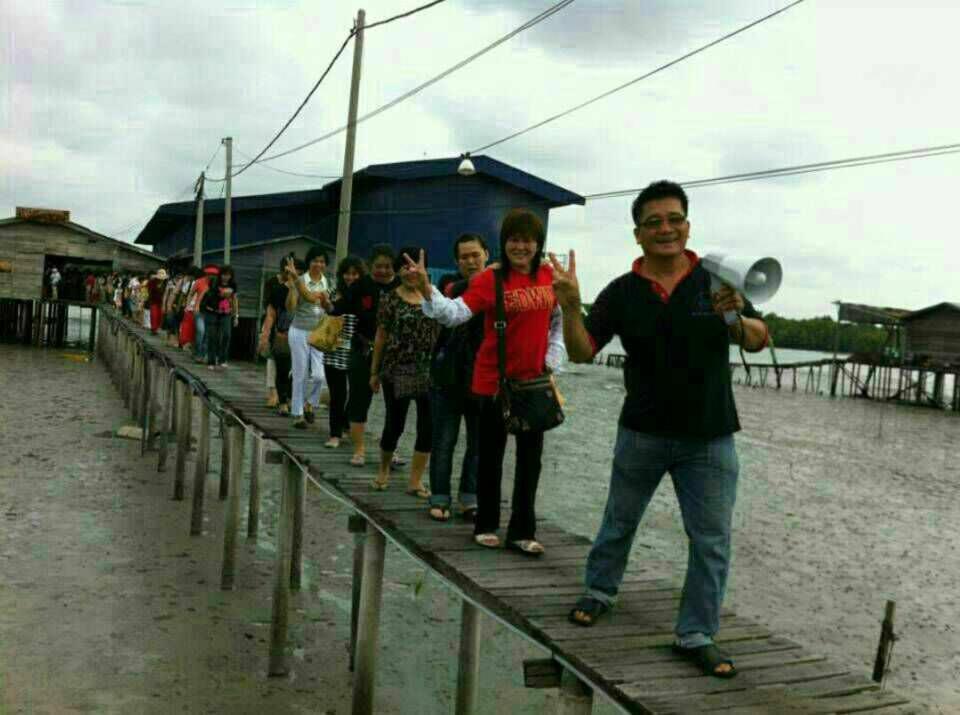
{"points": [[679, 414], [451, 375]]}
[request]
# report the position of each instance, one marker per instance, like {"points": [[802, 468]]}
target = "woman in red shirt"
{"points": [[534, 344]]}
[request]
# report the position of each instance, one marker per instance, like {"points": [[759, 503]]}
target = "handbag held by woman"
{"points": [[528, 405]]}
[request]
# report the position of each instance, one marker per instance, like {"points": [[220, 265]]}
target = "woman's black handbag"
{"points": [[528, 405]]}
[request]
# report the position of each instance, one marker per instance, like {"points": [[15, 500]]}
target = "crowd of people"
{"points": [[196, 309], [452, 350]]}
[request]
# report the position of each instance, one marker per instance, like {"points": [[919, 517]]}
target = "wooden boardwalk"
{"points": [[626, 656]]}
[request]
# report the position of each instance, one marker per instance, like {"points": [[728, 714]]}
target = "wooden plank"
{"points": [[652, 655], [612, 633], [679, 667]]}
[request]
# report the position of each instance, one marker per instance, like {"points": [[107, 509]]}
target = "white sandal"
{"points": [[489, 541]]}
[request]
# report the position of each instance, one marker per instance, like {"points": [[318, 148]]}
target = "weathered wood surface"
{"points": [[627, 655]]}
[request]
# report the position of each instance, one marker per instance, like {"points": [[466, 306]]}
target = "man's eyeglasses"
{"points": [[655, 222]]}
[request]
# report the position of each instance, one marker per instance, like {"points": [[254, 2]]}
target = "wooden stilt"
{"points": [[200, 473], [468, 673], [253, 512], [368, 627], [357, 526], [281, 583], [144, 404], [184, 425], [224, 461], [296, 548], [168, 408], [234, 438], [576, 697]]}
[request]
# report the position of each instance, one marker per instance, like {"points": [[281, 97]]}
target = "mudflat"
{"points": [[107, 605]]}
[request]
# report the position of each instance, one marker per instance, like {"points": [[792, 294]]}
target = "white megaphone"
{"points": [[757, 279]]}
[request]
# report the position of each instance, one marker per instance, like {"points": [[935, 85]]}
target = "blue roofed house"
{"points": [[425, 203]]}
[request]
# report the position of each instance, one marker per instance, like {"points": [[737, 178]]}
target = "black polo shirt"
{"points": [[677, 371]]}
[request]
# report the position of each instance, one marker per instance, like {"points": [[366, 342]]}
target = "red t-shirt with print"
{"points": [[528, 302]]}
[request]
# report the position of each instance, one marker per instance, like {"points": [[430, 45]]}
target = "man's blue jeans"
{"points": [[447, 407], [704, 474]]}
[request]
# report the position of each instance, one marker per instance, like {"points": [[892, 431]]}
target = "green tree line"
{"points": [[819, 334]]}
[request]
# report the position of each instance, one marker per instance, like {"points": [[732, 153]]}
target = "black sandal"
{"points": [[591, 607], [439, 513], [708, 657]]}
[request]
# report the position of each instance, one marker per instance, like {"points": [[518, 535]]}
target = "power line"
{"points": [[537, 19], [132, 226], [207, 167], [306, 99], [261, 165], [403, 14], [869, 160], [623, 86]]}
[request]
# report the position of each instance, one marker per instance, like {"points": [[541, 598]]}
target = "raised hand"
{"points": [[565, 284], [291, 267], [419, 269]]}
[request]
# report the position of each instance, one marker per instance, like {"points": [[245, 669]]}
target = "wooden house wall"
{"points": [[935, 335], [25, 245]]}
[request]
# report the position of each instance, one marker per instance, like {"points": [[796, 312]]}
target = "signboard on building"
{"points": [[48, 215]]}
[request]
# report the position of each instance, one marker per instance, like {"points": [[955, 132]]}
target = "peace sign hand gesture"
{"points": [[565, 284], [418, 269]]}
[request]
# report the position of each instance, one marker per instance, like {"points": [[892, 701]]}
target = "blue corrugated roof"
{"points": [[168, 216]]}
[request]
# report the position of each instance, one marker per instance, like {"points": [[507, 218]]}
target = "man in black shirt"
{"points": [[451, 375], [678, 416]]}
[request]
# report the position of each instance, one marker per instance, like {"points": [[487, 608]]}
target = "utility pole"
{"points": [[198, 232], [228, 201], [346, 186]]}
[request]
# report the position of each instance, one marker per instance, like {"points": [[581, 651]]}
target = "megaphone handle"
{"points": [[729, 316]]}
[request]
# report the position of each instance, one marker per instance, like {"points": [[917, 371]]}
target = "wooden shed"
{"points": [[36, 240], [933, 335]]}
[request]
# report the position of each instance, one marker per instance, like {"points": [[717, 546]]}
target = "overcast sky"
{"points": [[110, 109]]}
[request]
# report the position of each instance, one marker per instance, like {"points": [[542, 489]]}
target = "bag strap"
{"points": [[500, 325]]}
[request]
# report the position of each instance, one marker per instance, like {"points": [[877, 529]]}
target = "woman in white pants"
{"points": [[306, 302]]}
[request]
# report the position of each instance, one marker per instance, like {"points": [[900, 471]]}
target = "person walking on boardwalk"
{"points": [[401, 365], [450, 399], [678, 416], [336, 364], [215, 307], [534, 345], [228, 290], [274, 340], [306, 301], [363, 300]]}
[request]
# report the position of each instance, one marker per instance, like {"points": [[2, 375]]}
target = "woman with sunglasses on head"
{"points": [[534, 345], [350, 274]]}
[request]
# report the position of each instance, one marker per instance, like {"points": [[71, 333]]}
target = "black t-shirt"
{"points": [[455, 351], [677, 371], [362, 299], [277, 298]]}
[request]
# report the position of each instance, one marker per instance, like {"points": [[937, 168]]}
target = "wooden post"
{"points": [[576, 697], [357, 526], [200, 472], [92, 342], [184, 425], [468, 674], [368, 628], [296, 548], [145, 399], [887, 638], [224, 461], [281, 582], [233, 437], [168, 408], [253, 512]]}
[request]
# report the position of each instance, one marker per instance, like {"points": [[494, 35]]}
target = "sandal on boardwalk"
{"points": [[488, 541], [332, 443], [527, 547], [708, 658], [379, 486], [300, 423], [421, 492], [469, 513], [283, 409], [439, 513], [590, 607], [358, 460]]}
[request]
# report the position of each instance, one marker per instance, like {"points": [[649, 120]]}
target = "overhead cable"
{"points": [[306, 99], [537, 19], [261, 165], [632, 82], [868, 160], [403, 14]]}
